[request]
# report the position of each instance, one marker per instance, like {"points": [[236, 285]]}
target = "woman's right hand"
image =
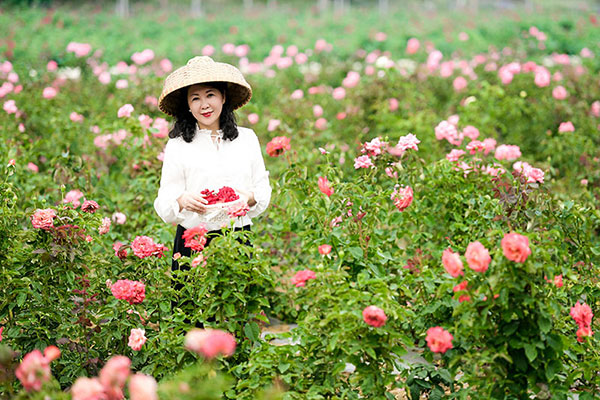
{"points": [[192, 202]]}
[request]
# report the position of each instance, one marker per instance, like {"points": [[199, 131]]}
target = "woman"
{"points": [[206, 149]]}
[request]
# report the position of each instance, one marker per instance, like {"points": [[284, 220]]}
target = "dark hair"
{"points": [[185, 122]]}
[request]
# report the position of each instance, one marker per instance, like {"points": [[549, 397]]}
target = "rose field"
{"points": [[433, 230]]}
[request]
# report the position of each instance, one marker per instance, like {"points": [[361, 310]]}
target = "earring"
{"points": [[189, 110]]}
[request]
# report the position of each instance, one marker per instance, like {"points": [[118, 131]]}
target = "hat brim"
{"points": [[173, 98], [176, 101]]}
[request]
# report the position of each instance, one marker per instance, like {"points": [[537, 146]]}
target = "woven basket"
{"points": [[202, 69], [217, 213]]}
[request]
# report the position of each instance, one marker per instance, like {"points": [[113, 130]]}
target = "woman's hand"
{"points": [[192, 202], [247, 196]]}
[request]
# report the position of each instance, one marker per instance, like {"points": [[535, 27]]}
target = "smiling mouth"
{"points": [[207, 114]]}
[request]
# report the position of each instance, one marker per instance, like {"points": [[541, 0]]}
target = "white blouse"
{"points": [[204, 164]]}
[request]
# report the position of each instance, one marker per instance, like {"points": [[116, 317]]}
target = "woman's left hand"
{"points": [[247, 196]]}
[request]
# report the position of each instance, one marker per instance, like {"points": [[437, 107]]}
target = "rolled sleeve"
{"points": [[172, 185]]}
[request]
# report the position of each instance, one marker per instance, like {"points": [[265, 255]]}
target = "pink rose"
{"points": [[105, 227], [143, 387], [121, 253], [143, 246], [455, 154], [321, 124], [43, 219], [278, 145], [412, 46], [51, 353], [584, 331], [75, 117], [210, 342], [351, 80], [393, 104], [566, 127], [515, 247], [73, 197], [325, 186], [438, 339], [324, 249], [317, 111], [33, 371], [321, 45], [582, 314], [452, 263], [475, 146], [166, 65], [402, 197], [363, 162], [119, 218], [507, 152], [253, 118], [273, 124], [446, 130], [374, 316], [122, 84], [339, 93], [125, 111], [460, 287], [208, 50], [89, 206], [460, 84], [88, 389], [195, 237], [375, 147], [302, 277], [142, 57], [137, 339], [478, 257], [10, 107], [558, 281], [80, 49], [238, 209], [471, 132], [49, 93], [32, 167], [51, 66], [134, 292], [199, 260], [297, 94], [114, 374], [559, 93], [407, 142], [542, 77]]}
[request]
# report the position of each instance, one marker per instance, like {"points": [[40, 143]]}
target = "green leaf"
{"points": [[530, 351], [357, 252], [165, 307], [371, 352], [283, 367], [436, 394], [552, 368], [21, 298], [252, 331], [545, 324]]}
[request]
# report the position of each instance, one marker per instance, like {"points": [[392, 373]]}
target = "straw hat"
{"points": [[201, 70]]}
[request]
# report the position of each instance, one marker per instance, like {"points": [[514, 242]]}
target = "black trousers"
{"points": [[179, 246]]}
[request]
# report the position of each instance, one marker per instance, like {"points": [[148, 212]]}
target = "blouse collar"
{"points": [[218, 132]]}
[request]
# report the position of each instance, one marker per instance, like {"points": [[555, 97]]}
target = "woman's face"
{"points": [[206, 104]]}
